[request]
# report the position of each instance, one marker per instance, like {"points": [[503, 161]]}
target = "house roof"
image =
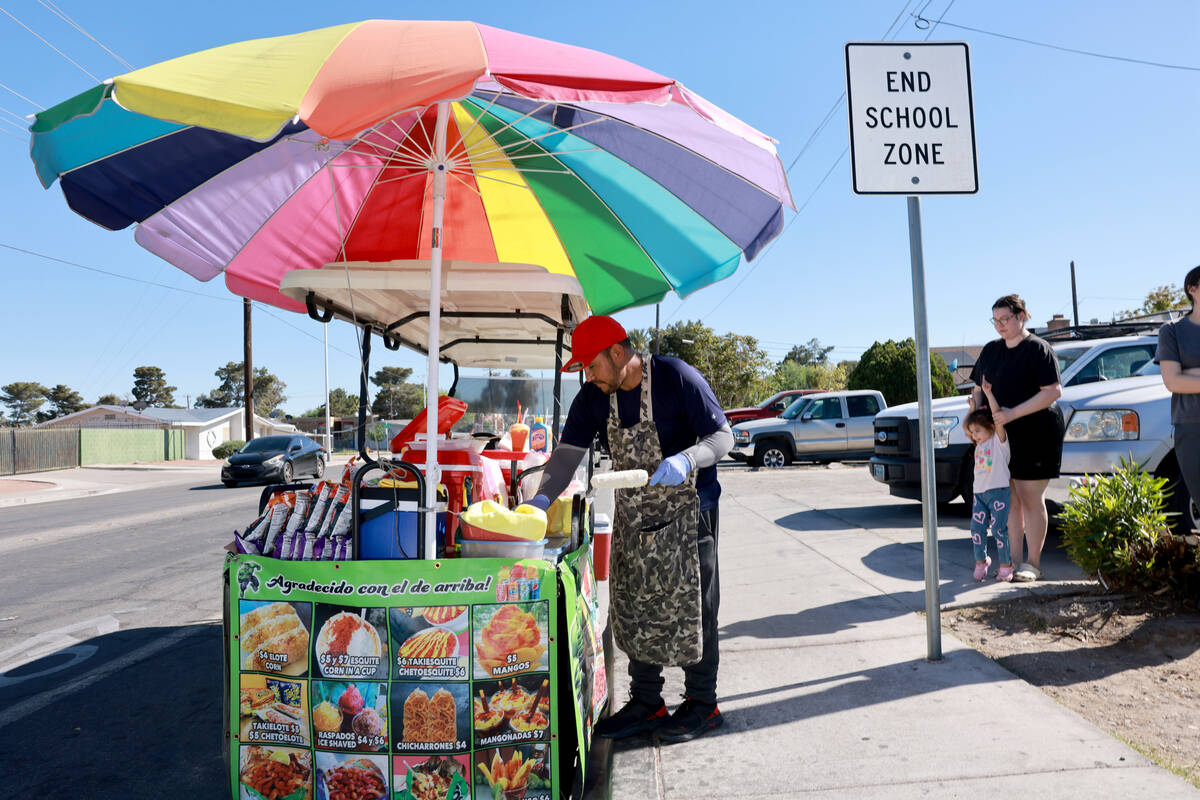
{"points": [[178, 417], [194, 416]]}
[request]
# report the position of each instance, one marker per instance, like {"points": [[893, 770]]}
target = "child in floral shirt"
{"points": [[992, 496]]}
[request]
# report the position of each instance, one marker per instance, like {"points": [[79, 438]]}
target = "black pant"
{"points": [[699, 679]]}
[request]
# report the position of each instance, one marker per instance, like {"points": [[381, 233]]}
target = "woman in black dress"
{"points": [[1023, 371]]}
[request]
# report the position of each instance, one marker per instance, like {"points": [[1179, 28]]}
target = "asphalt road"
{"points": [[110, 642]]}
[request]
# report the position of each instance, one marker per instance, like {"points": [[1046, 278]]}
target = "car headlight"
{"points": [[741, 436], [273, 461], [1103, 425], [941, 431]]}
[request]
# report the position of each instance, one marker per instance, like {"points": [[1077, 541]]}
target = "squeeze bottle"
{"points": [[539, 436]]}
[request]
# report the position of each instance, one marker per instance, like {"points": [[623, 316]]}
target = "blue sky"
{"points": [[1080, 158]]}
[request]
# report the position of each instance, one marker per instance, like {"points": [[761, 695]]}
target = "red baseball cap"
{"points": [[590, 338]]}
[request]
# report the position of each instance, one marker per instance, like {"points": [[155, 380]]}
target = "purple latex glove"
{"points": [[672, 471]]}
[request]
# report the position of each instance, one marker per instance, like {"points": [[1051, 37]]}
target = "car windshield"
{"points": [[775, 398], [1069, 355], [793, 411], [267, 443]]}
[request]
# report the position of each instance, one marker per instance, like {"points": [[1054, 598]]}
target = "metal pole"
{"points": [[362, 393], [328, 423], [933, 619], [1074, 296], [656, 307], [435, 321], [247, 370]]}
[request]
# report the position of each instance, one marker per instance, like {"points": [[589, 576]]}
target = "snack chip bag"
{"points": [[299, 514], [323, 494], [278, 508]]}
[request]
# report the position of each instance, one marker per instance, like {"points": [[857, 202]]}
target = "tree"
{"points": [[109, 400], [150, 387], [23, 398], [268, 390], [65, 401], [734, 365], [642, 340], [341, 404], [891, 367], [396, 398], [1164, 298], [811, 353]]}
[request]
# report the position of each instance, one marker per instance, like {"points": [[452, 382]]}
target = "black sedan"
{"points": [[274, 459]]}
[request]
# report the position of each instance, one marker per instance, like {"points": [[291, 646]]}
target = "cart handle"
{"points": [[356, 487]]}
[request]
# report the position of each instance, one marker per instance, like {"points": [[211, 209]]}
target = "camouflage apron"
{"points": [[655, 584]]}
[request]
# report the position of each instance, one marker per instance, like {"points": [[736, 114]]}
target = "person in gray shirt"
{"points": [[1179, 356]]}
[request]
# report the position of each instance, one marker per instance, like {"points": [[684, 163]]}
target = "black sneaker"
{"points": [[690, 720], [633, 718]]}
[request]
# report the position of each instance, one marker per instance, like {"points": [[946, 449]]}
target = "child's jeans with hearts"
{"points": [[991, 506]]}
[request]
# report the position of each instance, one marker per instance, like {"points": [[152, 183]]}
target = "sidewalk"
{"points": [[69, 484], [825, 686]]}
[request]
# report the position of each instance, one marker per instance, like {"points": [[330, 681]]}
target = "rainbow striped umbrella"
{"points": [[392, 142], [364, 142]]}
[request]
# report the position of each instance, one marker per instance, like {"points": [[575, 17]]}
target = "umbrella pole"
{"points": [[435, 321]]}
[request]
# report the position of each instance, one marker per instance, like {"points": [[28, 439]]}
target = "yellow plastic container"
{"points": [[490, 521]]}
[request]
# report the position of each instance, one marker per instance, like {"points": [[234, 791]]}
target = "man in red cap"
{"points": [[658, 414]]}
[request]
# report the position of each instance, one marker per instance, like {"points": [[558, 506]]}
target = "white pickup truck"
{"points": [[1087, 367], [826, 426]]}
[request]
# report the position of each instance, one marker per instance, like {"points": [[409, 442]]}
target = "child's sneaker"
{"points": [[1005, 573], [981, 569]]}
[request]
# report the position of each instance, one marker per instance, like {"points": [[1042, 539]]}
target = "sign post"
{"points": [[912, 132]]}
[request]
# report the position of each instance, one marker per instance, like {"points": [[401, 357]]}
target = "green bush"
{"points": [[226, 449], [1113, 526]]}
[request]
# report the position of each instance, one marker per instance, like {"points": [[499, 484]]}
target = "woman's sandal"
{"points": [[1027, 573]]}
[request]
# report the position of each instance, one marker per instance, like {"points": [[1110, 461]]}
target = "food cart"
{"points": [[432, 677]]}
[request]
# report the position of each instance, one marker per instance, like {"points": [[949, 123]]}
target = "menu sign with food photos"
{"points": [[396, 680]]}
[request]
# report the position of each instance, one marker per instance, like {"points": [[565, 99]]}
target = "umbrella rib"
{"points": [[463, 181], [506, 183], [462, 139], [493, 135], [529, 140], [412, 149], [556, 152], [424, 133], [382, 181], [521, 171]]}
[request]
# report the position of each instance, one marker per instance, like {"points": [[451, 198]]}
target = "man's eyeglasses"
{"points": [[998, 321]]}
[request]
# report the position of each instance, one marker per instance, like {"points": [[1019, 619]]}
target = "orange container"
{"points": [[601, 546], [519, 433]]}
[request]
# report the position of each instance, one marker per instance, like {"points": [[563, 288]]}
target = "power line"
{"points": [[52, 47], [61, 15], [1063, 49], [762, 257], [12, 91], [111, 274], [24, 121], [260, 306]]}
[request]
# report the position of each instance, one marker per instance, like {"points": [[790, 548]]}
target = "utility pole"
{"points": [[247, 369], [656, 307], [1074, 296]]}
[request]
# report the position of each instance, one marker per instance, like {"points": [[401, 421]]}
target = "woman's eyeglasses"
{"points": [[998, 321]]}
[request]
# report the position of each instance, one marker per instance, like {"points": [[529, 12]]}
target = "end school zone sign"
{"points": [[912, 118]]}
